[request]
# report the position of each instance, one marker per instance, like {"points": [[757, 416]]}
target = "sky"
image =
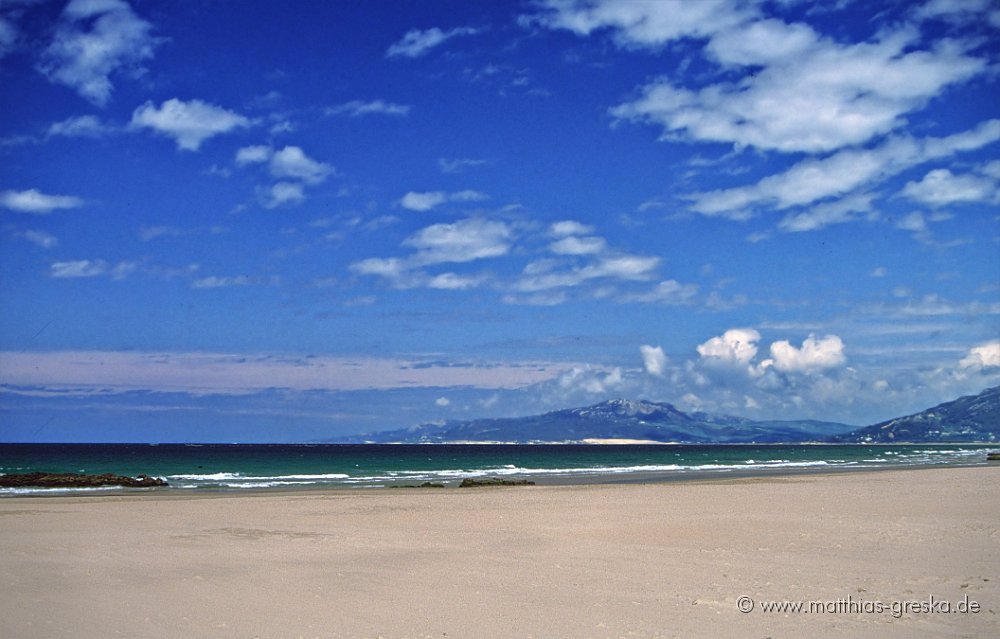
{"points": [[248, 221]]}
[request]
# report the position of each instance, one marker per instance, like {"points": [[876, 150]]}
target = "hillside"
{"points": [[974, 418]]}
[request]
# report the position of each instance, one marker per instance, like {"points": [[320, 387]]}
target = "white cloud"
{"points": [[737, 346], [984, 356], [253, 154], [463, 241], [418, 42], [815, 355], [570, 227], [416, 201], [538, 276], [457, 165], [822, 215], [941, 187], [654, 360], [83, 126], [292, 162], [593, 381], [811, 94], [912, 222], [93, 40], [453, 282], [214, 281], [640, 24], [467, 240], [666, 292], [189, 123], [148, 233], [357, 108], [839, 174], [40, 238], [573, 245], [34, 201], [282, 193], [78, 268]]}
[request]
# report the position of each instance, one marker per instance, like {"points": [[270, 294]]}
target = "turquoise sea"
{"points": [[189, 467]]}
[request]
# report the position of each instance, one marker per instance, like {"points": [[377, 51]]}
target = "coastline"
{"points": [[580, 479], [655, 559]]}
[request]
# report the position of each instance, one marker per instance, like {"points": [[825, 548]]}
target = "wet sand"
{"points": [[606, 560]]}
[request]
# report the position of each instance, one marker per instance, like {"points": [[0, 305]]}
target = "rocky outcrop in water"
{"points": [[76, 480]]}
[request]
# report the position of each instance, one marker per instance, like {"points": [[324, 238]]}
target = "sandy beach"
{"points": [[635, 560]]}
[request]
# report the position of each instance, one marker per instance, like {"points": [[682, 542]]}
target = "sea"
{"points": [[241, 467]]}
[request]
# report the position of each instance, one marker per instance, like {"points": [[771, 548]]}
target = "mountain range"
{"points": [[967, 419]]}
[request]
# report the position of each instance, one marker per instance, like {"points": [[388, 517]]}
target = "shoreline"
{"points": [[541, 481], [653, 560]]}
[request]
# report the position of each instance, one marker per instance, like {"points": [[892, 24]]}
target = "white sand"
{"points": [[657, 560]]}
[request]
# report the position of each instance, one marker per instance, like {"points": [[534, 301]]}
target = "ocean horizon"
{"points": [[234, 467]]}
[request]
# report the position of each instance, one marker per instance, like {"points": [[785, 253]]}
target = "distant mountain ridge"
{"points": [[973, 418], [967, 419], [615, 419]]}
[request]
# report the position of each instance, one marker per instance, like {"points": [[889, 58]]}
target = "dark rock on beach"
{"points": [[75, 480], [426, 484], [474, 482]]}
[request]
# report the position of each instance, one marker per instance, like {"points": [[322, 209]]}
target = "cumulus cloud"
{"points": [[737, 346], [984, 356], [292, 162], [592, 381], [418, 42], [653, 359], [814, 355], [188, 123], [93, 40], [425, 201], [34, 201], [941, 187], [358, 108], [291, 165]]}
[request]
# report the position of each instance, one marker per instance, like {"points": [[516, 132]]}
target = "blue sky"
{"points": [[260, 221]]}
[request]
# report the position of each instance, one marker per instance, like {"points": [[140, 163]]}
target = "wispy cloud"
{"points": [[358, 108], [81, 126], [458, 165], [34, 201], [418, 42], [94, 40], [425, 201]]}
